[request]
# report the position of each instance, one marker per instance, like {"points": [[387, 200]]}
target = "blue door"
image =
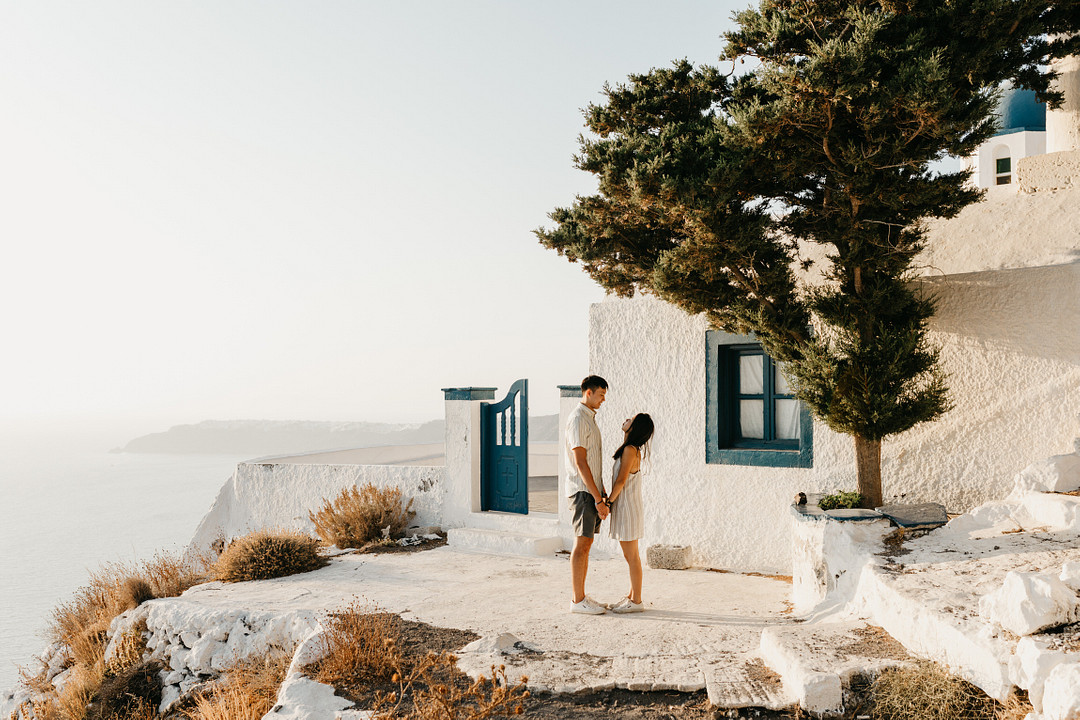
{"points": [[504, 452]]}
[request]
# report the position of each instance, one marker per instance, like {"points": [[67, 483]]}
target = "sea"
{"points": [[68, 505]]}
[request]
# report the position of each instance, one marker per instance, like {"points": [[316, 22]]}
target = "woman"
{"points": [[627, 509]]}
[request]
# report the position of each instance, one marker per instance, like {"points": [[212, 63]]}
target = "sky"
{"points": [[300, 210]]}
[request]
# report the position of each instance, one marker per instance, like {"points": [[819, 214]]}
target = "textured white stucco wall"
{"points": [[1009, 342], [1009, 230], [1063, 124], [653, 356], [268, 495]]}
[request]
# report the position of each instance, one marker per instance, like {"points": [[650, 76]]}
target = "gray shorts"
{"points": [[586, 519]]}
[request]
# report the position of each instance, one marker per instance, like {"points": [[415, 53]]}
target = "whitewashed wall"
{"points": [[653, 357], [268, 495], [1010, 343]]}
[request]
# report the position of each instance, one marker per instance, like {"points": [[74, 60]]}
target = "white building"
{"points": [[1006, 273]]}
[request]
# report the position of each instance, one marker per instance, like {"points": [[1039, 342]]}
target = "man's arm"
{"points": [[582, 464]]}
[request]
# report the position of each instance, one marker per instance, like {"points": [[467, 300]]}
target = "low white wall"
{"points": [[268, 495]]}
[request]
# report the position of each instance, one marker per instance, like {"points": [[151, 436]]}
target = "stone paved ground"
{"points": [[697, 623]]}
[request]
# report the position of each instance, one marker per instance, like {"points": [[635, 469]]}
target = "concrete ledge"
{"points": [[816, 661], [816, 692], [469, 393], [498, 542]]}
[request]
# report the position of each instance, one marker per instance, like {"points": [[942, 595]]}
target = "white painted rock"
{"points": [[1031, 664], [1060, 473], [1061, 694], [1028, 602], [301, 698], [1070, 574]]}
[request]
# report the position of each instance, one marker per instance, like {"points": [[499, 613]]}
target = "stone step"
{"points": [[746, 685], [500, 542], [816, 661]]}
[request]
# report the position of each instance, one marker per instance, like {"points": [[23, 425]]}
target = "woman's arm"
{"points": [[629, 457]]}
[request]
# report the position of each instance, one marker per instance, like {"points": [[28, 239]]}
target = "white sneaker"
{"points": [[588, 606], [626, 605]]}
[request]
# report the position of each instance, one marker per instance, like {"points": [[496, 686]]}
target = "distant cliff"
{"points": [[273, 437]]}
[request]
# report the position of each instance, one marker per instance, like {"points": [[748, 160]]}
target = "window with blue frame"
{"points": [[752, 416]]}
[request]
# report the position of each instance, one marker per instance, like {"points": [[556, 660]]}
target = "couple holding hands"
{"points": [[590, 504]]}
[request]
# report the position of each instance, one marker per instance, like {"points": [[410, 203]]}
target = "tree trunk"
{"points": [[868, 469]]}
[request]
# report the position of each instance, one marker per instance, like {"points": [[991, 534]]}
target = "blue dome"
{"points": [[1018, 110]]}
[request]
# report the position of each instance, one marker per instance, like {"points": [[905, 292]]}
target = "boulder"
{"points": [[1028, 602], [1060, 473]]}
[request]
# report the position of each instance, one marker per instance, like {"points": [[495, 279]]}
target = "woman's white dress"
{"points": [[628, 512]]}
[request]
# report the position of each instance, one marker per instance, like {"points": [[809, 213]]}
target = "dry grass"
{"points": [[82, 624], [926, 691], [359, 515], [132, 691], [362, 647], [358, 646], [128, 650], [433, 700], [266, 554], [245, 691]]}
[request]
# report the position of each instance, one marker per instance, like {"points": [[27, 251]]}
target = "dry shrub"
{"points": [[359, 515], [362, 647], [435, 700], [245, 691], [82, 624], [266, 554], [128, 649], [1016, 706], [131, 691], [358, 646], [134, 591], [926, 691]]}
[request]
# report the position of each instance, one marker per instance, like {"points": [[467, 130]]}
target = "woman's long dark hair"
{"points": [[641, 430]]}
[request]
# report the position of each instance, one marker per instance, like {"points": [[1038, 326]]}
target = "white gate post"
{"points": [[462, 452], [569, 398]]}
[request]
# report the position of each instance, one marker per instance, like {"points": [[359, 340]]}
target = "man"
{"points": [[585, 486]]}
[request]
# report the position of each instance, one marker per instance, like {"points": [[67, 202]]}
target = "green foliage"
{"points": [[266, 554], [840, 500], [361, 515], [714, 193]]}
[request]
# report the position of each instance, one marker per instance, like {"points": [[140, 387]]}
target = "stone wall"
{"points": [[268, 495]]}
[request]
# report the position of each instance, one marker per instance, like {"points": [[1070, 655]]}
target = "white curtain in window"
{"points": [[752, 418], [780, 382], [787, 419], [751, 375]]}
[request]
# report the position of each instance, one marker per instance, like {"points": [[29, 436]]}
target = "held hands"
{"points": [[603, 508]]}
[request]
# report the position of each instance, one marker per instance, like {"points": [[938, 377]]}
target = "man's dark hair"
{"points": [[593, 382]]}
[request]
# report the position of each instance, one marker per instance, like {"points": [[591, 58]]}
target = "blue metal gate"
{"points": [[504, 452]]}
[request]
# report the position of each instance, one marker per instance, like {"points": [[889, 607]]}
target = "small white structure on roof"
{"points": [[1021, 133], [1026, 128]]}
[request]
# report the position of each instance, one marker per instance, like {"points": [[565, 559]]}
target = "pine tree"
{"points": [[711, 189]]}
